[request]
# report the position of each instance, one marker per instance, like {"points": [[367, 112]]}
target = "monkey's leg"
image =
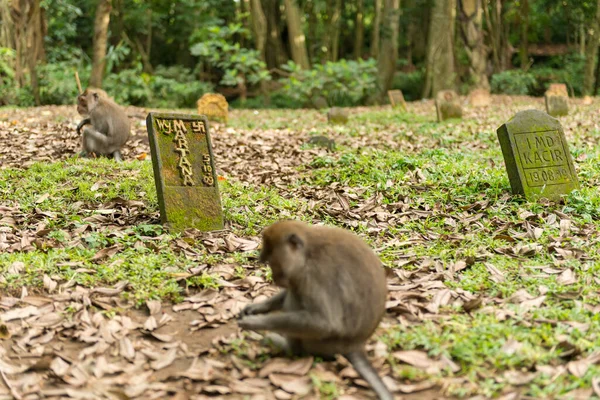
{"points": [[294, 324], [292, 347], [117, 156], [272, 304], [362, 365], [82, 123]]}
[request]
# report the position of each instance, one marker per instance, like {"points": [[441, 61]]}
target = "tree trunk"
{"points": [[524, 19], [471, 25], [376, 30], [360, 29], [591, 53], [296, 36], [388, 55], [275, 52], [259, 28], [100, 41], [334, 13], [440, 73], [498, 32], [28, 20]]}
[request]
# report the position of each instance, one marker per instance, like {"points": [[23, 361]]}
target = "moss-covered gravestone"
{"points": [[184, 171], [557, 100], [337, 115], [537, 157], [397, 99], [447, 105]]}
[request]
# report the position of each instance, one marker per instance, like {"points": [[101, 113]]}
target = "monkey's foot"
{"points": [[117, 156]]}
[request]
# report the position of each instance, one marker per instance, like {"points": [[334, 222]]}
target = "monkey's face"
{"points": [[284, 254], [86, 102], [82, 107]]}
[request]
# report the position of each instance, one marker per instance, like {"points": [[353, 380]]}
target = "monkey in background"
{"points": [[109, 126], [333, 294]]}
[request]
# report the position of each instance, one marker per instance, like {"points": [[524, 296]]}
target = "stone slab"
{"points": [[397, 99], [480, 98], [537, 157], [447, 105], [337, 115], [214, 106], [557, 100], [184, 171]]}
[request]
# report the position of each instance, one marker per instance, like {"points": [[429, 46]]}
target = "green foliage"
{"points": [[566, 69], [343, 83], [217, 45], [411, 83], [176, 87], [57, 83], [8, 93], [513, 81], [129, 86]]}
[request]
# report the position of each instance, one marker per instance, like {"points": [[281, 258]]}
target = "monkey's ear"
{"points": [[295, 241]]}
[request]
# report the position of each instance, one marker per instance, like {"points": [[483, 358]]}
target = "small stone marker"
{"points": [[447, 105], [337, 115], [557, 100], [587, 101], [397, 99], [214, 106], [480, 98], [184, 171], [536, 156]]}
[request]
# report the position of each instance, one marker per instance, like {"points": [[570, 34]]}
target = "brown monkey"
{"points": [[333, 297], [109, 129]]}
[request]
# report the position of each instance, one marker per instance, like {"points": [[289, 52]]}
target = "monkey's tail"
{"points": [[362, 365]]}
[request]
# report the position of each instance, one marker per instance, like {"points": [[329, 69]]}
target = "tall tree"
{"points": [[440, 73], [498, 30], [334, 11], [275, 52], [100, 40], [376, 29], [359, 29], [524, 45], [386, 62], [29, 25], [591, 53], [296, 35], [471, 12]]}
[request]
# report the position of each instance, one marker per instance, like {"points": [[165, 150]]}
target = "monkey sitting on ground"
{"points": [[333, 294], [109, 125], [322, 141]]}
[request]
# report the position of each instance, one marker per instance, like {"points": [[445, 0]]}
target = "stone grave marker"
{"points": [[214, 106], [587, 100], [397, 99], [480, 98], [447, 105], [536, 156], [557, 100], [337, 115], [184, 171]]}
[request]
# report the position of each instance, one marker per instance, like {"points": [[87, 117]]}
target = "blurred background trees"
{"points": [[293, 53]]}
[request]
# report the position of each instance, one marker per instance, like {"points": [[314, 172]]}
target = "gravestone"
{"points": [[447, 105], [587, 100], [397, 99], [214, 106], [536, 156], [557, 100], [337, 115], [480, 98], [184, 171]]}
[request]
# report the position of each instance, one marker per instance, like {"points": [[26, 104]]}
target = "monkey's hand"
{"points": [[82, 123], [254, 309], [272, 304], [251, 322]]}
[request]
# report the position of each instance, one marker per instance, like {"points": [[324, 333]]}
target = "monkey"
{"points": [[322, 141], [333, 294], [109, 129]]}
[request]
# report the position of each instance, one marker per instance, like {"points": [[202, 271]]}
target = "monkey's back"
{"points": [[353, 278]]}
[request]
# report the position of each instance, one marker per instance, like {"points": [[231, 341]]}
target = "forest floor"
{"points": [[489, 295]]}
